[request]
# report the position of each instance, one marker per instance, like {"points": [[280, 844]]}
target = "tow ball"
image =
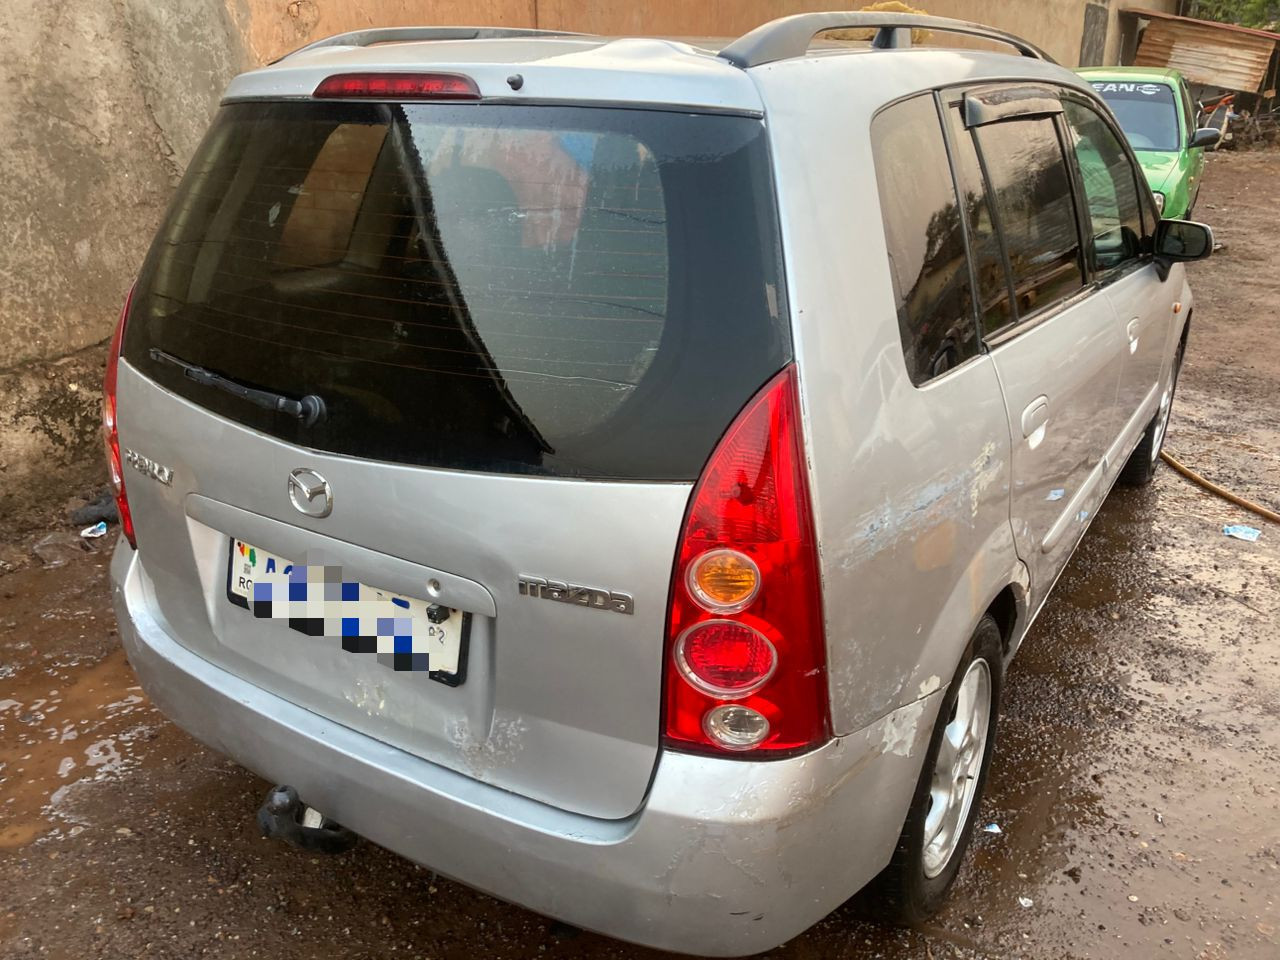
{"points": [[286, 817]]}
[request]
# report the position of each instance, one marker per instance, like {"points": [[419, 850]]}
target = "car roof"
{"points": [[1148, 74], [619, 71], [551, 68]]}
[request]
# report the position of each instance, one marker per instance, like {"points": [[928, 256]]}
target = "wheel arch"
{"points": [[996, 583]]}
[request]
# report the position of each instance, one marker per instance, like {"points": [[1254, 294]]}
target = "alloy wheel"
{"points": [[956, 770]]}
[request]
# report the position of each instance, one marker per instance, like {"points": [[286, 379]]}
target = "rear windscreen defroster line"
{"points": [[562, 291]]}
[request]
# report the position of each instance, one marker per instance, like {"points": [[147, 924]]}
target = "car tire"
{"points": [[1140, 468], [934, 838]]}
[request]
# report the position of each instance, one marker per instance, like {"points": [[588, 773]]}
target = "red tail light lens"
{"points": [[725, 659], [398, 86], [110, 436], [766, 658]]}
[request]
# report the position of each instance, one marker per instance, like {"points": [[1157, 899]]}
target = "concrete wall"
{"points": [[271, 28], [274, 27], [105, 102]]}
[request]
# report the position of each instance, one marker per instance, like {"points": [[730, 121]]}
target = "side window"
{"points": [[1110, 188], [1035, 209], [994, 305], [925, 239]]}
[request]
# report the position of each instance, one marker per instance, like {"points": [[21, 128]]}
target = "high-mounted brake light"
{"points": [[746, 659], [110, 435], [398, 86]]}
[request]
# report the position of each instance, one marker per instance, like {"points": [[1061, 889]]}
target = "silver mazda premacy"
{"points": [[616, 473]]}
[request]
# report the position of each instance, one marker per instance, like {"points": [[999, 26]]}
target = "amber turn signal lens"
{"points": [[724, 581]]}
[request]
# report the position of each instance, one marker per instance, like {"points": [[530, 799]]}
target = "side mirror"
{"points": [[1181, 240], [1204, 137]]}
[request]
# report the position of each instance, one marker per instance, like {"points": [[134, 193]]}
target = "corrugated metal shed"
{"points": [[1216, 54]]}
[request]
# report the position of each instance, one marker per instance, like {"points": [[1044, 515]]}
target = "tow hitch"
{"points": [[284, 816]]}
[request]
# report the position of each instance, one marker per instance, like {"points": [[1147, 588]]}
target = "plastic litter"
{"points": [[59, 548], [1025, 902], [99, 529], [992, 828], [1241, 532], [1056, 494]]}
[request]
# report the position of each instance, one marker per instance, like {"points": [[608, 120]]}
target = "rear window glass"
{"points": [[549, 290]]}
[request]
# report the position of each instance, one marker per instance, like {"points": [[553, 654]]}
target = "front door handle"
{"points": [[1132, 330], [1035, 416]]}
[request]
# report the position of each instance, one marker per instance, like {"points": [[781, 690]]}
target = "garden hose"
{"points": [[1212, 487]]}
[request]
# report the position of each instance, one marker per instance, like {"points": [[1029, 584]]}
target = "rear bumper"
{"points": [[725, 858]]}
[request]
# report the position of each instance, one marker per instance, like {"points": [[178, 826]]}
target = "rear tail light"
{"points": [[746, 661], [110, 435], [398, 86]]}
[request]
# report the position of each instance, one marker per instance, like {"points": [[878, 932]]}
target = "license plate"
{"points": [[401, 632]]}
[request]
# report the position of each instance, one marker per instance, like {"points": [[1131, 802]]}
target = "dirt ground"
{"points": [[1135, 785]]}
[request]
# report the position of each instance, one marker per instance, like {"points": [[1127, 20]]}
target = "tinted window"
{"points": [[1188, 115], [925, 239], [550, 290], [1146, 111], [1110, 187], [994, 304], [1035, 209]]}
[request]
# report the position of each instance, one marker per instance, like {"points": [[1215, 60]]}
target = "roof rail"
{"points": [[789, 37], [365, 38]]}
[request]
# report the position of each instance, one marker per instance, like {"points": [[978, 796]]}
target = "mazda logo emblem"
{"points": [[310, 493]]}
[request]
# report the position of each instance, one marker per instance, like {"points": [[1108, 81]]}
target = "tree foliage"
{"points": [[1248, 13]]}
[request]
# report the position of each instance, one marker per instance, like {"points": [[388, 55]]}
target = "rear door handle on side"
{"points": [[1035, 416], [1132, 329]]}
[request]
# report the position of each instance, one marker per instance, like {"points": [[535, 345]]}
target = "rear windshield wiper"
{"points": [[310, 409]]}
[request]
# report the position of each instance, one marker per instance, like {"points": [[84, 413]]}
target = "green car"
{"points": [[1155, 112]]}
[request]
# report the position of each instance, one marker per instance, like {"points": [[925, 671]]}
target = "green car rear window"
{"points": [[1148, 113]]}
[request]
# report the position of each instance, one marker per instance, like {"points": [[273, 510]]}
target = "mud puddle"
{"points": [[71, 712]]}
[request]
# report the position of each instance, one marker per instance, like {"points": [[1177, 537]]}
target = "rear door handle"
{"points": [[1132, 329], [1035, 416]]}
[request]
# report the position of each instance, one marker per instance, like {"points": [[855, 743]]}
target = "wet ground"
{"points": [[1136, 785]]}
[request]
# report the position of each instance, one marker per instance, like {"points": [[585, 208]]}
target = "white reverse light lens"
{"points": [[735, 727]]}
